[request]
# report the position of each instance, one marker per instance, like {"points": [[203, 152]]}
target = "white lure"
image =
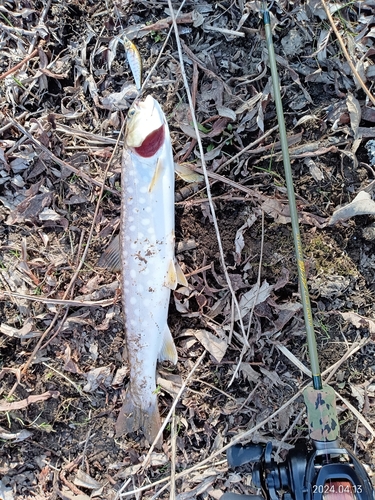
{"points": [[149, 270]]}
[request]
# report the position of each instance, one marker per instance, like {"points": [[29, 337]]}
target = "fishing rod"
{"points": [[323, 469]]}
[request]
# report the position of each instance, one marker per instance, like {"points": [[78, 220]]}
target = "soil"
{"points": [[62, 444]]}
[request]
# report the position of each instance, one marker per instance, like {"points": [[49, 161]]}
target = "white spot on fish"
{"points": [[125, 253], [127, 238], [151, 230], [126, 291], [133, 322], [142, 200], [143, 189], [129, 189], [132, 173], [140, 236], [148, 209], [145, 222], [132, 228], [131, 218], [133, 274], [126, 283], [136, 312], [133, 300]]}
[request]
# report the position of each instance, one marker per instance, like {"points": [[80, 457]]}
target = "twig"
{"points": [[60, 302], [172, 495], [346, 54], [19, 65], [204, 168]]}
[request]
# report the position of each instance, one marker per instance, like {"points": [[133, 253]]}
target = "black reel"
{"points": [[327, 472]]}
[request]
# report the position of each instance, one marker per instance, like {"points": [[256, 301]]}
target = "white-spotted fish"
{"points": [[149, 270]]}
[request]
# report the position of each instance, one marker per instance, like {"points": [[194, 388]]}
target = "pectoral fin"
{"points": [[110, 258], [168, 351], [155, 177]]}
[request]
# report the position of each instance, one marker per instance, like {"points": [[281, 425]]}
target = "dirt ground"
{"points": [[63, 365]]}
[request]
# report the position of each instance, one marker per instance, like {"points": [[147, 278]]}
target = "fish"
{"points": [[147, 259]]}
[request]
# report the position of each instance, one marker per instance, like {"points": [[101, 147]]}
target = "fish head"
{"points": [[145, 131]]}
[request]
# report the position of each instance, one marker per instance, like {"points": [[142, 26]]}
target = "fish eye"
{"points": [[131, 113]]}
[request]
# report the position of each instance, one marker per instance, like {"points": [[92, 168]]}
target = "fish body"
{"points": [[149, 270]]}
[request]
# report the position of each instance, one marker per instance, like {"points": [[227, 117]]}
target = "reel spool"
{"points": [[327, 472]]}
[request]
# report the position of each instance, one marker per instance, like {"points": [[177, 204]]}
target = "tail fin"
{"points": [[133, 417]]}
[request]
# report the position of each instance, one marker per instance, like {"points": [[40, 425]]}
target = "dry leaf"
{"points": [[253, 297], [273, 376], [215, 346], [359, 321], [359, 393], [354, 109], [96, 377], [85, 481], [239, 241], [361, 205], [249, 373]]}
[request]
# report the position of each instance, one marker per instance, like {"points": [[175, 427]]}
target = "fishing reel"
{"points": [[325, 472]]}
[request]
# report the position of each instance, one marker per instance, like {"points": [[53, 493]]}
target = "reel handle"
{"points": [[238, 455]]}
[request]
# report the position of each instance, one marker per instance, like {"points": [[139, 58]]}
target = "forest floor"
{"points": [[65, 89]]}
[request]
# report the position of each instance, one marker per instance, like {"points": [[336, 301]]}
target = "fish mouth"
{"points": [[145, 130]]}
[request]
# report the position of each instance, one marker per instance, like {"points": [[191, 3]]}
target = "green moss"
{"points": [[328, 258]]}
